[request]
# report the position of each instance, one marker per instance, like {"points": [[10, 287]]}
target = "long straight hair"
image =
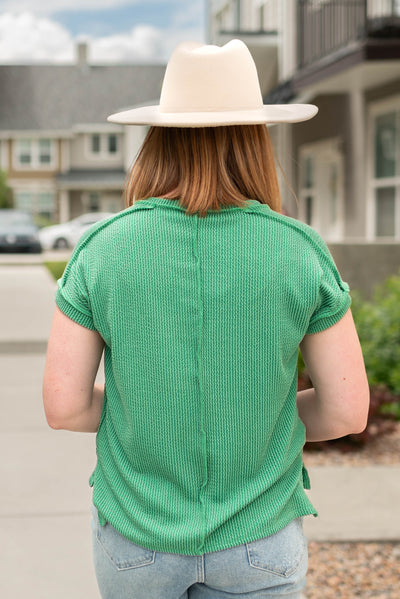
{"points": [[206, 168]]}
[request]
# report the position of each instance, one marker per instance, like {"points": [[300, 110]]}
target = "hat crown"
{"points": [[208, 78]]}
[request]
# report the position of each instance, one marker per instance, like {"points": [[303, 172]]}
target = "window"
{"points": [[112, 144], [103, 145], [44, 151], [309, 210], [45, 204], [268, 14], [385, 180], [34, 153], [322, 188], [237, 15], [41, 203], [94, 201], [24, 200], [24, 151], [385, 145], [307, 178], [333, 192], [95, 144], [261, 16]]}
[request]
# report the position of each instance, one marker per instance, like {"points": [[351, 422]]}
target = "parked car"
{"points": [[18, 232], [66, 235]]}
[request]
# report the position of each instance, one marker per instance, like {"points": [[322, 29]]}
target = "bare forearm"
{"points": [[322, 422], [87, 420]]}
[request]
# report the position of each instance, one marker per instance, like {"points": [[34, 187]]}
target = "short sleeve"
{"points": [[72, 296], [333, 298]]}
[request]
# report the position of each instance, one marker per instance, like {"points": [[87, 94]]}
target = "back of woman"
{"points": [[201, 298]]}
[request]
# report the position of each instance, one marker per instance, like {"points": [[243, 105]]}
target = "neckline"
{"points": [[174, 204]]}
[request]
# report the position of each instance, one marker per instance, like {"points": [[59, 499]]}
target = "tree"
{"points": [[6, 193]]}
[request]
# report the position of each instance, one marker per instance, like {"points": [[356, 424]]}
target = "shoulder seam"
{"points": [[304, 230], [101, 225]]}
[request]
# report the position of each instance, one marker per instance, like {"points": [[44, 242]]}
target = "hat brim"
{"points": [[268, 114]]}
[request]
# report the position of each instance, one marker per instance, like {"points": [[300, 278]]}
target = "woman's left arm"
{"points": [[71, 399]]}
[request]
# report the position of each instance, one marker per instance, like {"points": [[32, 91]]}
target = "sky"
{"points": [[115, 30]]}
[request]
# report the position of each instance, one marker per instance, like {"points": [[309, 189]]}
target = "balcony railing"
{"points": [[326, 26]]}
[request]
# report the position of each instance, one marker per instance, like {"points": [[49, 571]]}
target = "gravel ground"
{"points": [[350, 570], [347, 570]]}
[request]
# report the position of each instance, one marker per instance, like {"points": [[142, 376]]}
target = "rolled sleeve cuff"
{"points": [[73, 312], [324, 321]]}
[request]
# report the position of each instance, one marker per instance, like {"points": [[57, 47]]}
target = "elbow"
{"points": [[55, 416], [352, 419], [358, 428], [54, 423], [54, 420], [359, 424], [357, 418]]}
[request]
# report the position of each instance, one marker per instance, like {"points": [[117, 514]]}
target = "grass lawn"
{"points": [[56, 268]]}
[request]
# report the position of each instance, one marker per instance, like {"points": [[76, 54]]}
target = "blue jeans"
{"points": [[273, 567]]}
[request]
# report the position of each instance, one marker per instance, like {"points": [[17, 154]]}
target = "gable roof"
{"points": [[56, 97]]}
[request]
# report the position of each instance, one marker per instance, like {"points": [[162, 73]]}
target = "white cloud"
{"points": [[143, 43], [52, 6], [28, 38]]}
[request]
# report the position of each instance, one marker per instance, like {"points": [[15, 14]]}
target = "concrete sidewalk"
{"points": [[44, 506], [45, 499]]}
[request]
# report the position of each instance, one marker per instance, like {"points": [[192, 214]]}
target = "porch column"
{"points": [[355, 222], [288, 48], [64, 206]]}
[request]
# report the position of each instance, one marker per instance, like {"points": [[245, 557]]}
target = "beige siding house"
{"points": [[61, 156]]}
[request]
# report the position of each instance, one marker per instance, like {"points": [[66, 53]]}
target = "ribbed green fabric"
{"points": [[200, 444]]}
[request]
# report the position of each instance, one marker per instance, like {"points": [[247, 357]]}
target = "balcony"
{"points": [[329, 27]]}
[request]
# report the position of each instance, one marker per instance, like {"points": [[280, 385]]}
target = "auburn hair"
{"points": [[206, 168]]}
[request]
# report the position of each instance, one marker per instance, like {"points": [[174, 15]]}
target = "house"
{"points": [[61, 156], [344, 165]]}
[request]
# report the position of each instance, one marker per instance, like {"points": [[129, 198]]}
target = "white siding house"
{"points": [[344, 165]]}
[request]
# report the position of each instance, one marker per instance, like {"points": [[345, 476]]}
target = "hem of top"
{"points": [[298, 507], [208, 548], [73, 313]]}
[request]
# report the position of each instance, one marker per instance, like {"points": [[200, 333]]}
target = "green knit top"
{"points": [[200, 444]]}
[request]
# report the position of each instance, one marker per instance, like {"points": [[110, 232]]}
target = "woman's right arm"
{"points": [[338, 404]]}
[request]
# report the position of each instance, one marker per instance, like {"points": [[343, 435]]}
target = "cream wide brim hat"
{"points": [[210, 86]]}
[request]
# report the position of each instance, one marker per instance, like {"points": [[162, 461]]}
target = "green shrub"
{"points": [[56, 268], [378, 326], [43, 221], [6, 193]]}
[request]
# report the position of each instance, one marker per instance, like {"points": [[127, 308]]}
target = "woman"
{"points": [[201, 293]]}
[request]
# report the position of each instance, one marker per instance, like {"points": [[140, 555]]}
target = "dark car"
{"points": [[18, 233]]}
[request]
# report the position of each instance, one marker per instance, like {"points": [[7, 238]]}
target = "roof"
{"points": [[56, 97], [81, 178]]}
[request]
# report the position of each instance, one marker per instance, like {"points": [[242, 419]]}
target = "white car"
{"points": [[66, 235]]}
